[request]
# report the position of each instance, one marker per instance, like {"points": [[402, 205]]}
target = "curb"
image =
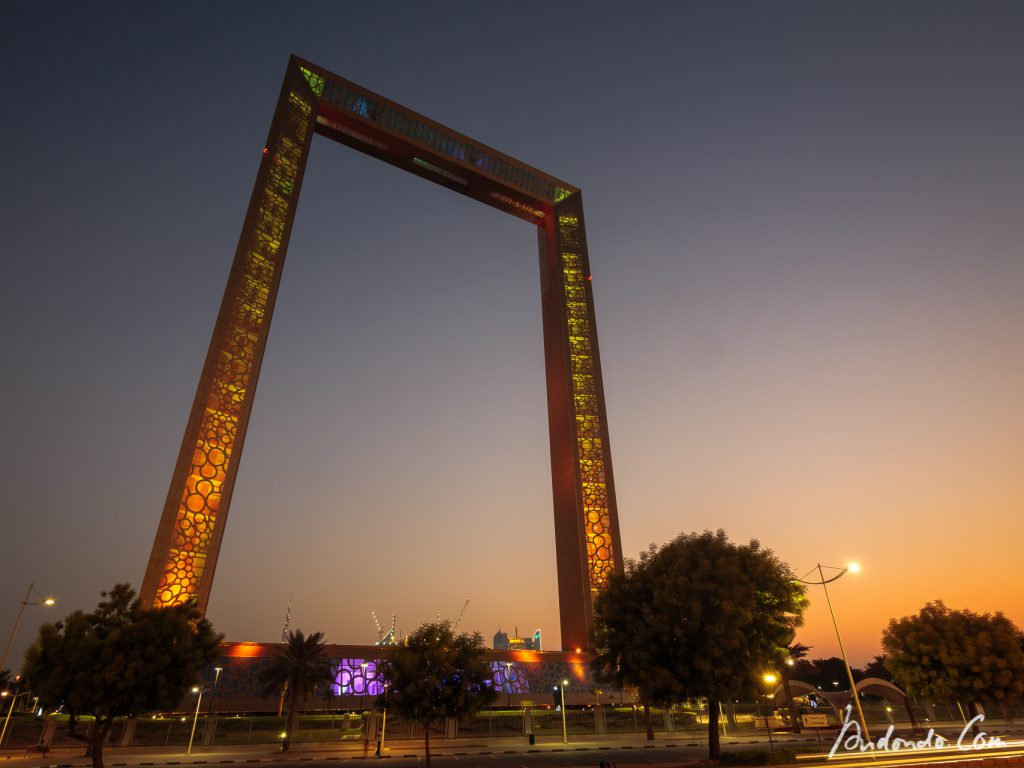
{"points": [[306, 759], [278, 758]]}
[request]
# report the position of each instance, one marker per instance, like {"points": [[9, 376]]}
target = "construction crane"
{"points": [[287, 621], [384, 638], [458, 619]]}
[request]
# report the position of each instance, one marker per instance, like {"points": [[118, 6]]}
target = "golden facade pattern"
{"points": [[598, 530], [227, 382]]}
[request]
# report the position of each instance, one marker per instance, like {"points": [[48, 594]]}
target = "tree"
{"points": [[6, 679], [699, 616], [117, 661], [298, 668], [435, 675], [956, 654], [631, 667], [877, 668], [830, 674]]}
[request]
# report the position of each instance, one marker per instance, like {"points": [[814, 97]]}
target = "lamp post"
{"points": [[195, 719], [770, 680], [384, 722], [852, 568], [508, 683], [794, 716], [17, 622], [216, 679], [565, 731]]}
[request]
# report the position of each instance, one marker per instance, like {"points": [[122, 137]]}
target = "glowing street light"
{"points": [[216, 679], [561, 691], [47, 601], [770, 678], [384, 720], [195, 719], [851, 568]]}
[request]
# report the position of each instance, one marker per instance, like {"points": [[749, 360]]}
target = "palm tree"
{"points": [[796, 651], [298, 668], [5, 679]]}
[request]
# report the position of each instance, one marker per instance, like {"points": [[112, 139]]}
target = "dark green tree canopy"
{"points": [[875, 668], [825, 673], [699, 616], [956, 654], [438, 674], [119, 659]]}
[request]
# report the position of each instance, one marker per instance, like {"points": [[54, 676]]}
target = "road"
{"points": [[404, 755], [667, 751]]}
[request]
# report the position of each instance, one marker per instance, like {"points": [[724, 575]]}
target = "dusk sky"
{"points": [[806, 229]]}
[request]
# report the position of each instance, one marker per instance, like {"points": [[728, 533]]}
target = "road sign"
{"points": [[815, 721]]}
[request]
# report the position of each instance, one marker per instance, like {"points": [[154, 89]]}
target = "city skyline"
{"points": [[805, 240]]}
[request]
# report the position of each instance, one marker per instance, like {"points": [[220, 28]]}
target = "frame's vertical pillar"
{"points": [[587, 540], [191, 528]]}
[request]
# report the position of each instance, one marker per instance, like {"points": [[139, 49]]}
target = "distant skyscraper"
{"points": [[502, 642]]}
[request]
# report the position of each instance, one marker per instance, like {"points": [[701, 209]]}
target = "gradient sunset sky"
{"points": [[805, 222]]}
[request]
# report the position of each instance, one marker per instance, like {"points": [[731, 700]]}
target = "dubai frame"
{"points": [[313, 100]]}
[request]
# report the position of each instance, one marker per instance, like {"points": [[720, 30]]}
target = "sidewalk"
{"points": [[119, 757], [133, 757]]}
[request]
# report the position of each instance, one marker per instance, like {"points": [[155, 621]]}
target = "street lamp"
{"points": [[216, 679], [852, 568], [195, 719], [770, 679], [17, 622], [384, 722], [561, 691]]}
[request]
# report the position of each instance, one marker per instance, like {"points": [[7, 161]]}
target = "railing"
{"points": [[343, 728]]}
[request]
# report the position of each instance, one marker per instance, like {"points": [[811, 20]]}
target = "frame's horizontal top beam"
{"points": [[378, 115]]}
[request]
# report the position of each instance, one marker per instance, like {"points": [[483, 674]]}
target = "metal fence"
{"points": [[491, 725], [578, 722], [25, 731]]}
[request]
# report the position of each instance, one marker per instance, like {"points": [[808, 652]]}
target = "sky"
{"points": [[804, 223]]}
